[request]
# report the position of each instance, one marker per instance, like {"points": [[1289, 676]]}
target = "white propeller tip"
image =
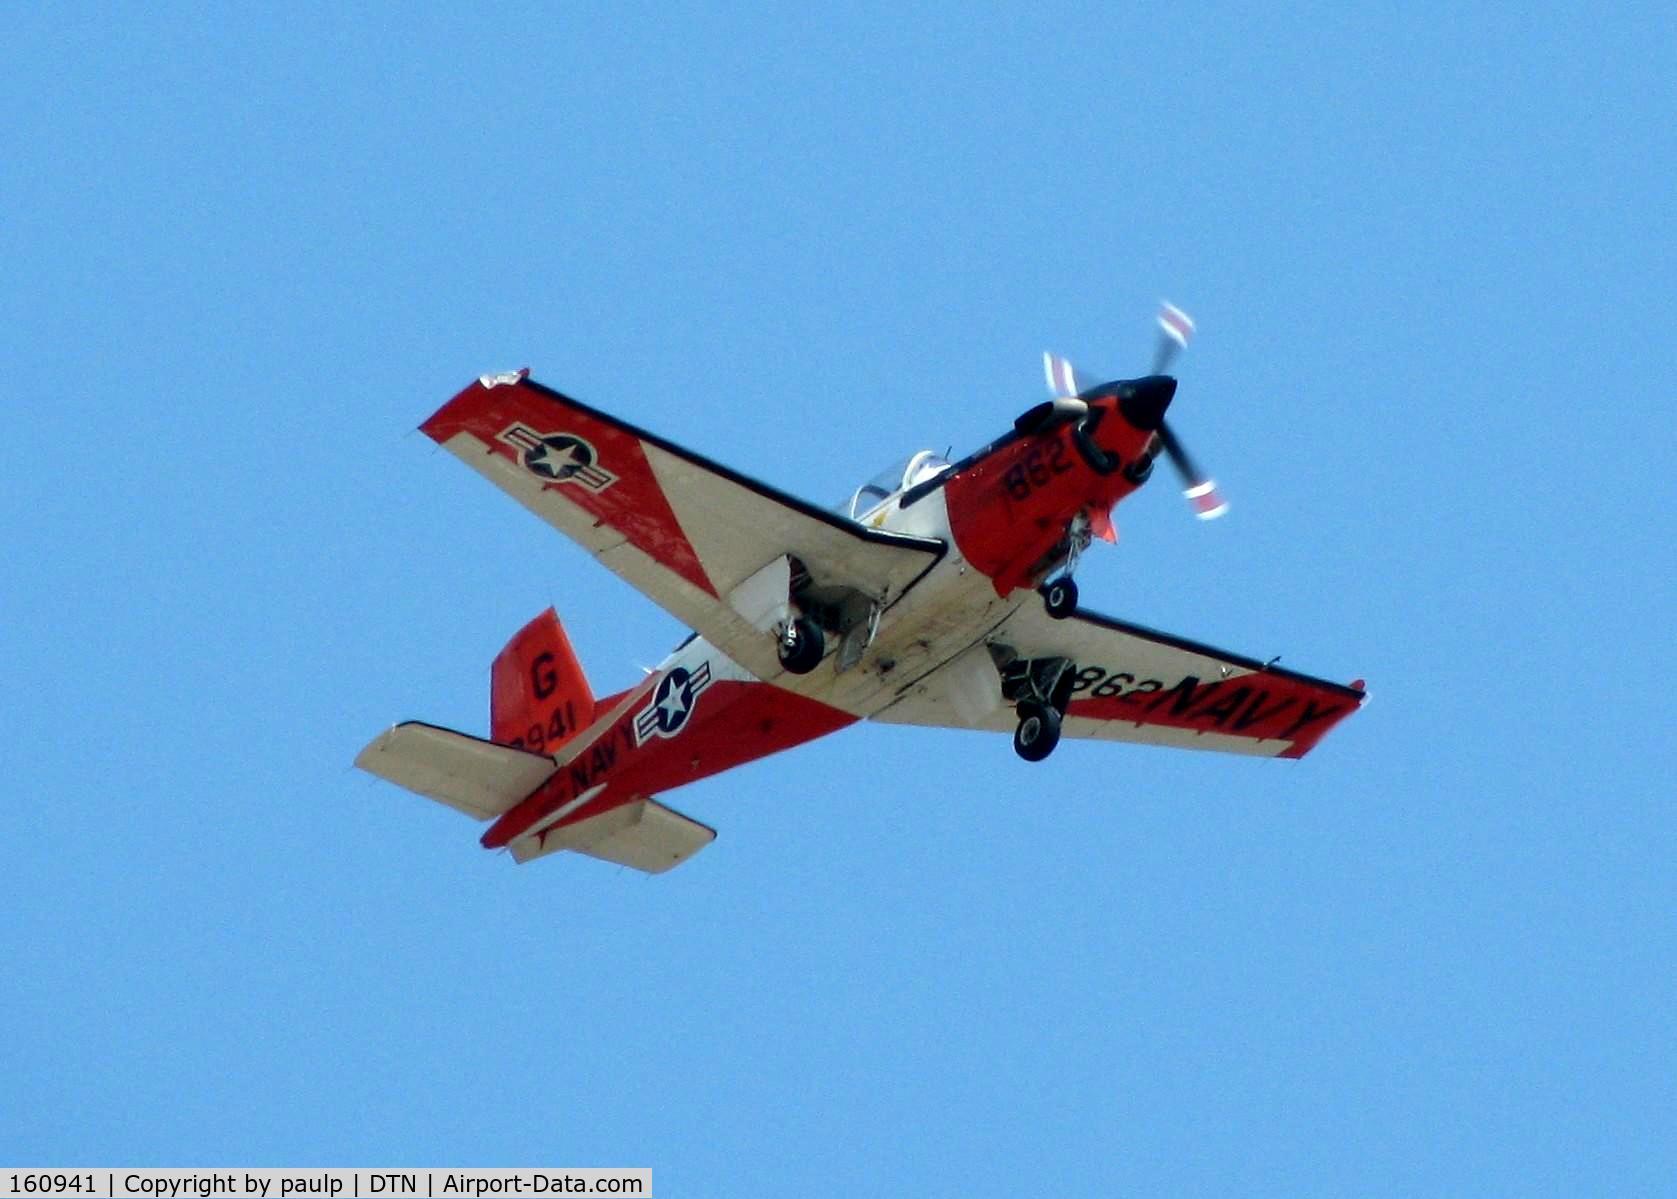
{"points": [[1062, 380], [1177, 325], [1208, 502]]}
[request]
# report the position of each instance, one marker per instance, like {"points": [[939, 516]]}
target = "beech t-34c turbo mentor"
{"points": [[940, 594]]}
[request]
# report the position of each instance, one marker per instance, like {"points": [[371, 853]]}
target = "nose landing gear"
{"points": [[1059, 597]]}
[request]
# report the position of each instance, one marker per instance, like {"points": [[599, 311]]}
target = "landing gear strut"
{"points": [[1059, 596]]}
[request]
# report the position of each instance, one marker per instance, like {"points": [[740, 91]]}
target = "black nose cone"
{"points": [[1143, 401]]}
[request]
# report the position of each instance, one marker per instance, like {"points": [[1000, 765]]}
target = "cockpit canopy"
{"points": [[898, 477]]}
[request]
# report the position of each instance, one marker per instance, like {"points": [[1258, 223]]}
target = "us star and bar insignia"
{"points": [[559, 457]]}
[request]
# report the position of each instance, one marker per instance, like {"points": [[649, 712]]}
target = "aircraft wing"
{"points": [[677, 527], [1135, 684]]}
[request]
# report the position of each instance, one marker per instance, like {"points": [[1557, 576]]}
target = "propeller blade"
{"points": [[1208, 502], [1064, 381], [1201, 490], [1175, 328]]}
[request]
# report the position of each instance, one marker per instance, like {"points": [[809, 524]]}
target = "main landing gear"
{"points": [[1038, 732], [801, 646], [1040, 689]]}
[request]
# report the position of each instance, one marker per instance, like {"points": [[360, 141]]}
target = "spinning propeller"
{"points": [[1066, 384]]}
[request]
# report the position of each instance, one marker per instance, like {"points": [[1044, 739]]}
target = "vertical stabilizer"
{"points": [[538, 696]]}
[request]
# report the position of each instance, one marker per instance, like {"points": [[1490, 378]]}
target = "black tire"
{"points": [[802, 646], [1038, 732], [1060, 597]]}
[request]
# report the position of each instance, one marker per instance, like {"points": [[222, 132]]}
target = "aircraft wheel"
{"points": [[1060, 598], [801, 647], [1038, 732]]}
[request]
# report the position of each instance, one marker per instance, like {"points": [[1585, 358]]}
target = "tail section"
{"points": [[539, 700], [538, 696]]}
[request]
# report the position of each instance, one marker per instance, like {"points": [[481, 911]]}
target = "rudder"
{"points": [[538, 696]]}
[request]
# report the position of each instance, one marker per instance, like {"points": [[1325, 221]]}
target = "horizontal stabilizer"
{"points": [[644, 834], [477, 777]]}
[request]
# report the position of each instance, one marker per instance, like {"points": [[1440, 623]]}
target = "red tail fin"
{"points": [[538, 696]]}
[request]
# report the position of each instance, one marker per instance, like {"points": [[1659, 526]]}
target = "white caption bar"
{"points": [[105, 1182]]}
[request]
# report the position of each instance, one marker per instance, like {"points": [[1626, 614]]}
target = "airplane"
{"points": [[940, 594]]}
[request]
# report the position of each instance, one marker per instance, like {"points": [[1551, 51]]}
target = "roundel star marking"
{"points": [[559, 458], [677, 701], [672, 703]]}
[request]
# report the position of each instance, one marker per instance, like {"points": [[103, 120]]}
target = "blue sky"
{"points": [[1430, 252]]}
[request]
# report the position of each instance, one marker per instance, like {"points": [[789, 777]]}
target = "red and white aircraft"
{"points": [[941, 595]]}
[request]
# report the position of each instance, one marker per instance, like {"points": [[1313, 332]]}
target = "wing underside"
{"points": [[681, 529], [1138, 685]]}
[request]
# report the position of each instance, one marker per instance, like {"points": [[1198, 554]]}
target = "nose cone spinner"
{"points": [[1143, 401]]}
